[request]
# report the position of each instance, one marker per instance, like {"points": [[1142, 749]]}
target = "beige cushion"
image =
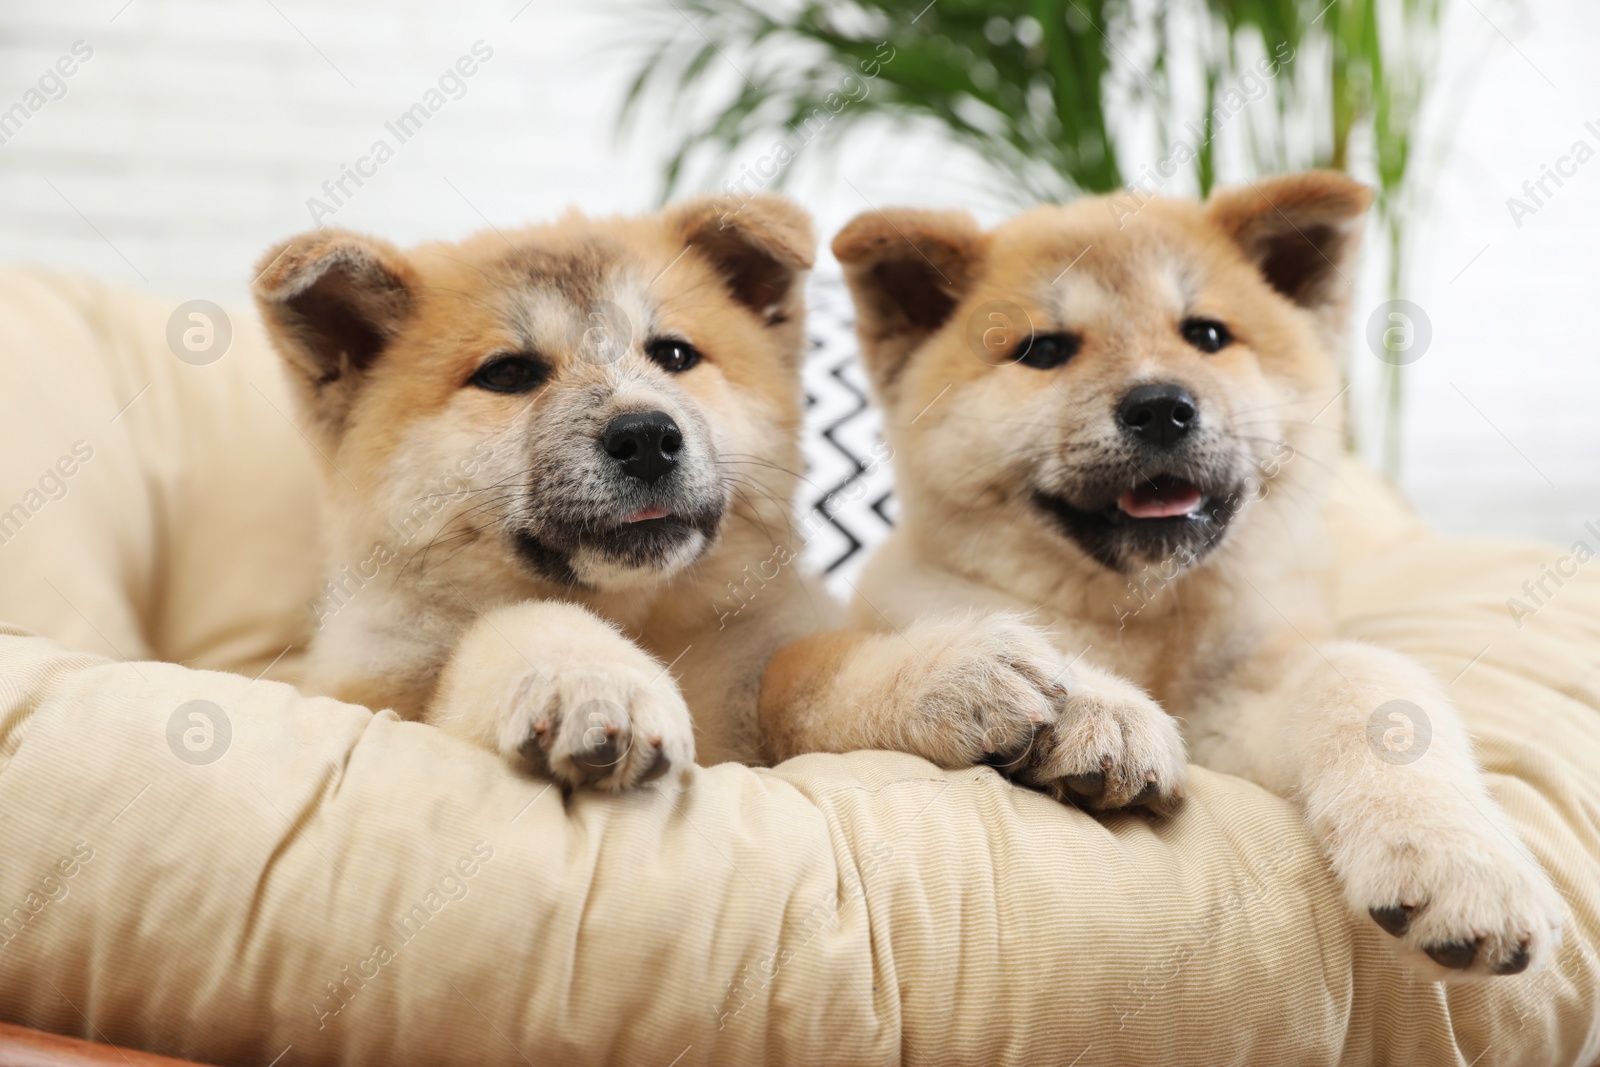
{"points": [[352, 888], [190, 533]]}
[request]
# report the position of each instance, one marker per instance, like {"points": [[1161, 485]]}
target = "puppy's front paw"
{"points": [[603, 725], [1111, 747], [552, 684], [1463, 902], [979, 689]]}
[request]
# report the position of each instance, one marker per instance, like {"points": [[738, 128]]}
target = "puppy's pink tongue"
{"points": [[1160, 500], [645, 514]]}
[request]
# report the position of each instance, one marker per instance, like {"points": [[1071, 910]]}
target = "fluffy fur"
{"points": [[484, 573], [1194, 568]]}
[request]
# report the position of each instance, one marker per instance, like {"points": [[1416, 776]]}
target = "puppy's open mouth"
{"points": [[1157, 518], [650, 538], [1163, 497]]}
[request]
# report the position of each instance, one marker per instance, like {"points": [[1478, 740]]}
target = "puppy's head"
{"points": [[1129, 376], [574, 402]]}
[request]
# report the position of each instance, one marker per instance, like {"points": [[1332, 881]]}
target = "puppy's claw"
{"points": [[1394, 920], [532, 750], [1516, 964], [1167, 805], [595, 763], [1089, 786], [658, 766]]}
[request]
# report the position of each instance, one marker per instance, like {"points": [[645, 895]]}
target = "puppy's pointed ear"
{"points": [[332, 302], [1303, 232], [762, 247], [907, 269]]}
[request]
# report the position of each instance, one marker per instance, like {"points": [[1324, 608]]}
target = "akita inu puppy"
{"points": [[1123, 423], [551, 453]]}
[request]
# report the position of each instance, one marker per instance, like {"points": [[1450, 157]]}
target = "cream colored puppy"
{"points": [[1122, 424]]}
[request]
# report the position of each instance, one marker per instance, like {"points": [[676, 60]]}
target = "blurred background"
{"points": [[164, 144]]}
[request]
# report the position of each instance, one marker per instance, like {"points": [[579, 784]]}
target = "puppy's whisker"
{"points": [[1297, 456], [459, 524], [803, 479], [778, 506], [754, 517], [1288, 422], [1292, 402], [469, 542]]}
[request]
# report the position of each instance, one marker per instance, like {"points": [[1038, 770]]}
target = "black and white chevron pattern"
{"points": [[848, 493]]}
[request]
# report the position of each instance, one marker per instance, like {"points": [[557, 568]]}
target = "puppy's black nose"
{"points": [[1159, 415], [645, 444]]}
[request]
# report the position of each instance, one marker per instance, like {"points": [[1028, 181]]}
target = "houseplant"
{"points": [[1058, 97]]}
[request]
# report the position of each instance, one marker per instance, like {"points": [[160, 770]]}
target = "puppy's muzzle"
{"points": [[644, 444]]}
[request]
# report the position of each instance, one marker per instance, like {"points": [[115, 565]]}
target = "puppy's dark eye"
{"points": [[1208, 335], [1044, 351], [510, 374], [671, 355]]}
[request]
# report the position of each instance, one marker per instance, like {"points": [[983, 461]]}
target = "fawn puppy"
{"points": [[1123, 422]]}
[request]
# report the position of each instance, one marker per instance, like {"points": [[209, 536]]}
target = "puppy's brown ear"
{"points": [[762, 247], [907, 269], [1303, 232], [332, 301]]}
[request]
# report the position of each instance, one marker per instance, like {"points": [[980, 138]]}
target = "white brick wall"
{"points": [[193, 137]]}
